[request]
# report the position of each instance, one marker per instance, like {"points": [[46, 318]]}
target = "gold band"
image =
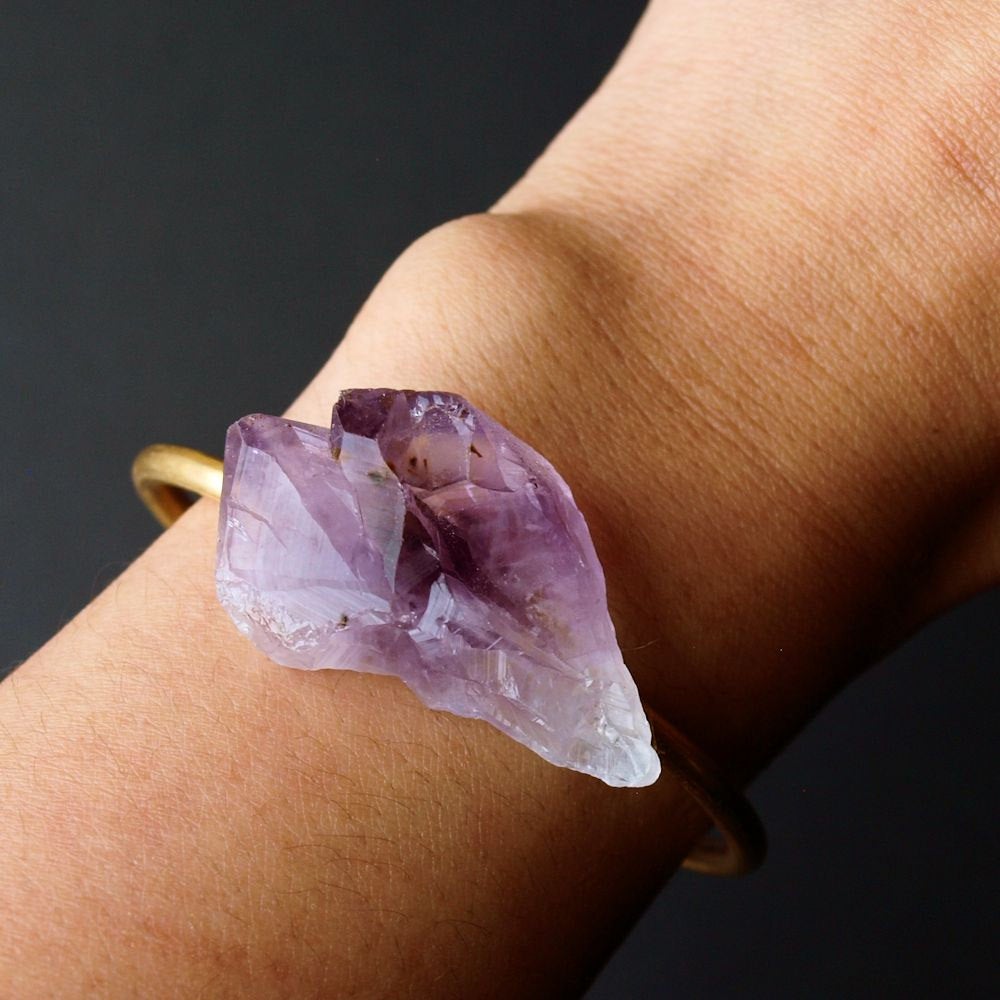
{"points": [[165, 475], [737, 844]]}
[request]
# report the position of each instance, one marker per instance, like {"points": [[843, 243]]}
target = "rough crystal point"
{"points": [[420, 538]]}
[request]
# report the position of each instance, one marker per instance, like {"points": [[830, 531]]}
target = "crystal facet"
{"points": [[419, 537]]}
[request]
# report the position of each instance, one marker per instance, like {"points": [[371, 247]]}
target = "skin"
{"points": [[756, 272]]}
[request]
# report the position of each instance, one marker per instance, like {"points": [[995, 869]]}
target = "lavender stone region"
{"points": [[418, 537]]}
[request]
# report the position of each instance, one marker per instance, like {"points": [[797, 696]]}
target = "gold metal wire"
{"points": [[165, 475]]}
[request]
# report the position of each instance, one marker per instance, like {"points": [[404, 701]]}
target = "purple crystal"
{"points": [[420, 538]]}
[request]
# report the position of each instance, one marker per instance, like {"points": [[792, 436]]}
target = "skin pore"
{"points": [[745, 302]]}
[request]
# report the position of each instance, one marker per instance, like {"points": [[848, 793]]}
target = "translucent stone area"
{"points": [[418, 537]]}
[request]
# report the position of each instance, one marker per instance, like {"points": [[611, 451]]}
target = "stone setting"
{"points": [[418, 537]]}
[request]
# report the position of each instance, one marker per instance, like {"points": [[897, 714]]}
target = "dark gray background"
{"points": [[196, 198]]}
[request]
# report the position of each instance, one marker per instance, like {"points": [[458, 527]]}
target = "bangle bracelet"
{"points": [[419, 537]]}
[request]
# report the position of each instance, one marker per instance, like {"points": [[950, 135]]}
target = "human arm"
{"points": [[704, 541]]}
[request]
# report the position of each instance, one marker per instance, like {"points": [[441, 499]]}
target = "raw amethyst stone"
{"points": [[420, 538]]}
